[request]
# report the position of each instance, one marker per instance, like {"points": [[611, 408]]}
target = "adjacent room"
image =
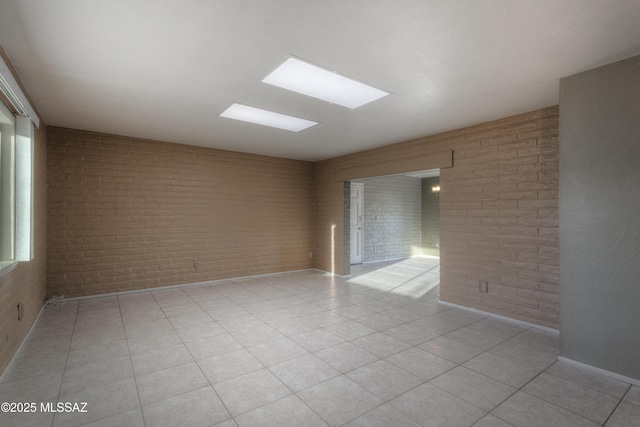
{"points": [[259, 213]]}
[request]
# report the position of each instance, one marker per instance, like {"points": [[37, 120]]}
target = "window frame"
{"points": [[7, 188], [18, 121]]}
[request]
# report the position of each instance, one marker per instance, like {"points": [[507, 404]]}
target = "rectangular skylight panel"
{"points": [[310, 80], [266, 118]]}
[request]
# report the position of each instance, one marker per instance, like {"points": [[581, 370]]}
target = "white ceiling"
{"points": [[164, 70]]}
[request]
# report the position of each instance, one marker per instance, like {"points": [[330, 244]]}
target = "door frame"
{"points": [[361, 215]]}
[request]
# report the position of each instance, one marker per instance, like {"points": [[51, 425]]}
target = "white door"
{"points": [[356, 222]]}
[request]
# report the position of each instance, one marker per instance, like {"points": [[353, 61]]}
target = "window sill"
{"points": [[7, 266]]}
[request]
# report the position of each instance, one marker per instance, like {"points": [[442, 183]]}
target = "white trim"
{"points": [[209, 282], [6, 116], [6, 368], [600, 371], [7, 267], [24, 189], [184, 285], [7, 196], [497, 316], [360, 214], [16, 95]]}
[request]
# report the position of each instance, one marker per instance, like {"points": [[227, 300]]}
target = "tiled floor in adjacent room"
{"points": [[303, 349]]}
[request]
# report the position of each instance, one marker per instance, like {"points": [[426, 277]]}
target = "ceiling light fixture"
{"points": [[266, 118], [311, 80]]}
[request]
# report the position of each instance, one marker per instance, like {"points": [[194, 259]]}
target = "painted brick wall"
{"points": [[130, 214], [498, 213], [392, 217], [26, 283], [430, 217]]}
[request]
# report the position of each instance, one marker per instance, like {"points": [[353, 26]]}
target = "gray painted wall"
{"points": [[430, 217], [392, 217], [600, 217]]}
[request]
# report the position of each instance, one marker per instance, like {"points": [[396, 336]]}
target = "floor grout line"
{"points": [[314, 291]]}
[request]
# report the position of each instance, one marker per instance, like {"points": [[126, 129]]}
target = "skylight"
{"points": [[266, 118], [310, 80]]}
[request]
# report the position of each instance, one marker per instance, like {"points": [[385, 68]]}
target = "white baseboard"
{"points": [[594, 369], [497, 316], [208, 282], [186, 285], [600, 371], [328, 273]]}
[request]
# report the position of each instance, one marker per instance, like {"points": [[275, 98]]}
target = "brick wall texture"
{"points": [[392, 218], [128, 214], [498, 213]]}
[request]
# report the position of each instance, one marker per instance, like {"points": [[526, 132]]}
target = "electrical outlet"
{"points": [[310, 254], [484, 287], [195, 265]]}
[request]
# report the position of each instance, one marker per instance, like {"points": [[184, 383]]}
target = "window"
{"points": [[16, 188], [7, 186], [16, 173]]}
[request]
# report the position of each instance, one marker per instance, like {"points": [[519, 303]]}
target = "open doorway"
{"points": [[393, 217], [430, 214], [394, 238], [394, 226]]}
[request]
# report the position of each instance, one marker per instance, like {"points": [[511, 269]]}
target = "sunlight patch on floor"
{"points": [[411, 277]]}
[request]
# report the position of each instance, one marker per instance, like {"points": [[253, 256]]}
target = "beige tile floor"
{"points": [[303, 349]]}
